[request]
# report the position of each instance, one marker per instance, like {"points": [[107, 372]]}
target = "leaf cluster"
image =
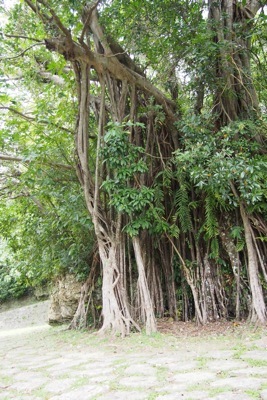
{"points": [[214, 160]]}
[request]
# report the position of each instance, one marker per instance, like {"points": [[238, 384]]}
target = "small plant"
{"points": [[202, 362], [240, 349], [162, 373], [256, 363], [254, 394]]}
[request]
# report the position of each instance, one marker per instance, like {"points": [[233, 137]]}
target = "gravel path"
{"points": [[40, 362]]}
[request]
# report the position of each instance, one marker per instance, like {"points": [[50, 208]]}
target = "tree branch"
{"points": [[118, 70], [31, 119], [23, 52], [6, 157], [22, 37], [88, 13], [56, 19]]}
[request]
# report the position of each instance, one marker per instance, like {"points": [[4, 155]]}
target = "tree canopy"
{"points": [[136, 131]]}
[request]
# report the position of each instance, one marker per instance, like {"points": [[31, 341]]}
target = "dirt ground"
{"points": [[222, 361]]}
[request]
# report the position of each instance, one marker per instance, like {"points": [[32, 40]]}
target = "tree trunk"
{"points": [[146, 303], [235, 95], [167, 264], [79, 320], [193, 280], [259, 309], [233, 255], [115, 313]]}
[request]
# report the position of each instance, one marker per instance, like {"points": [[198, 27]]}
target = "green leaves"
{"points": [[127, 168], [183, 208], [120, 155], [125, 165], [212, 161]]}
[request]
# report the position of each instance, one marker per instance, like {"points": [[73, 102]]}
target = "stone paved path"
{"points": [[39, 362]]}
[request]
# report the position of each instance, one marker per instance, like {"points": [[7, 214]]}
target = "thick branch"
{"points": [[10, 158], [255, 5], [74, 52], [87, 16], [112, 64]]}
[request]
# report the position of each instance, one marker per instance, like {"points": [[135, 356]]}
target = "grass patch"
{"points": [[153, 396], [239, 349], [119, 371], [202, 362], [115, 386], [120, 361], [162, 373], [79, 382], [41, 393], [6, 380], [65, 375], [215, 391], [254, 394], [256, 363]]}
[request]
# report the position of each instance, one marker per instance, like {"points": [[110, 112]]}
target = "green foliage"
{"points": [[11, 286], [214, 161], [183, 207], [43, 216], [237, 233], [168, 40], [126, 169], [124, 164], [211, 226], [45, 242]]}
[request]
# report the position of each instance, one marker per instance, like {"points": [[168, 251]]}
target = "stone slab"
{"points": [[87, 392], [139, 381], [231, 396], [194, 377], [237, 383], [92, 372], [182, 366], [59, 385], [250, 371], [225, 365], [121, 395], [139, 369], [260, 355], [196, 395], [29, 385]]}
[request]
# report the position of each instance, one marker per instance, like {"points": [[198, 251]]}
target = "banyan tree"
{"points": [[173, 173]]}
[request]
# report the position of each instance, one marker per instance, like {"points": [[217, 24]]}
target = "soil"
{"points": [[191, 329], [221, 361]]}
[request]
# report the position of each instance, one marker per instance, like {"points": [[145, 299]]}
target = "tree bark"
{"points": [[146, 303], [235, 95], [233, 255], [258, 303]]}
